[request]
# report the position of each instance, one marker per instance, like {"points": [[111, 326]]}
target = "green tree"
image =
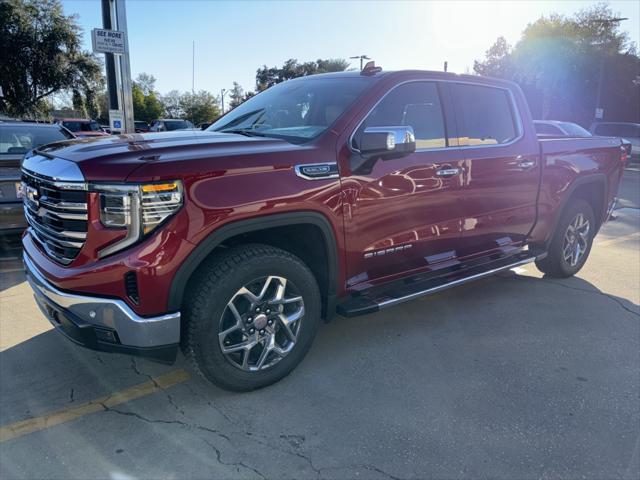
{"points": [[269, 76], [40, 54], [199, 107], [236, 95], [171, 104], [146, 106], [147, 83], [559, 60]]}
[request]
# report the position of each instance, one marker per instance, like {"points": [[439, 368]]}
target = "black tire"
{"points": [[215, 284], [555, 264]]}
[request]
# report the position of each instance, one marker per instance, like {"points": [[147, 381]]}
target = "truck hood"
{"points": [[114, 158]]}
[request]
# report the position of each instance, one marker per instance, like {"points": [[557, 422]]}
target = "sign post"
{"points": [[112, 41], [116, 121]]}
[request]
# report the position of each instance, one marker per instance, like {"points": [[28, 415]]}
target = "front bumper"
{"points": [[103, 323]]}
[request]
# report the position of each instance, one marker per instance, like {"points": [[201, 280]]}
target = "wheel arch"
{"points": [[253, 226], [591, 188]]}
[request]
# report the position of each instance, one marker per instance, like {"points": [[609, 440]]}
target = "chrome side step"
{"points": [[454, 283], [369, 302]]}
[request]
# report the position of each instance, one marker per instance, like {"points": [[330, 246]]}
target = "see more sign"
{"points": [[108, 41]]}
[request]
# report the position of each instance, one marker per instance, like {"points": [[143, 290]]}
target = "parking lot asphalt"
{"points": [[515, 376]]}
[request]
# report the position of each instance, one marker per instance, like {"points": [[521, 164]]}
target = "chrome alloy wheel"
{"points": [[260, 324], [576, 240]]}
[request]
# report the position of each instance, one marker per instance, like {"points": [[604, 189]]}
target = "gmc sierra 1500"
{"points": [[345, 192]]}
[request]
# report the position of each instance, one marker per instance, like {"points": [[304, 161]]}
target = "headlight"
{"points": [[139, 209]]}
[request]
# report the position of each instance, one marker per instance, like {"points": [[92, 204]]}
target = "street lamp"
{"points": [[362, 59], [599, 112], [222, 92]]}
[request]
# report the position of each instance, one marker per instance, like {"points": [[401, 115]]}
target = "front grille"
{"points": [[57, 215]]}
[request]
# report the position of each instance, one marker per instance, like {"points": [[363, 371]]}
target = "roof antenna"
{"points": [[370, 69]]}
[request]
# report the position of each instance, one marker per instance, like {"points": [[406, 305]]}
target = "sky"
{"points": [[233, 39]]}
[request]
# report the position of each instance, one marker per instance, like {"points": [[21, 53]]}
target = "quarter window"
{"points": [[413, 104], [484, 115]]}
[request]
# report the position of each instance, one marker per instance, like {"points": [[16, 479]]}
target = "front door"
{"points": [[403, 214], [502, 170]]}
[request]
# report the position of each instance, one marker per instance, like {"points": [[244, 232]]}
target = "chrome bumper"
{"points": [[72, 313]]}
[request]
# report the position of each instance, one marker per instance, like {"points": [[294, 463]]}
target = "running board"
{"points": [[372, 301]]}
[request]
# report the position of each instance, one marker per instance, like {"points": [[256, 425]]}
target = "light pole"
{"points": [[598, 110], [222, 92], [362, 59]]}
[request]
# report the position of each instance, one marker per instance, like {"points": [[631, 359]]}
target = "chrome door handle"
{"points": [[448, 172], [527, 163]]}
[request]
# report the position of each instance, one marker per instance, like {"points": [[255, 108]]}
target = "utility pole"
{"points": [[222, 92], [599, 111], [362, 59], [193, 69]]}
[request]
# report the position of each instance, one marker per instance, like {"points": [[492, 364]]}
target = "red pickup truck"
{"points": [[346, 192]]}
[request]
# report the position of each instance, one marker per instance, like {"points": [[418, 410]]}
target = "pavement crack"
{"points": [[585, 290], [137, 371], [211, 404], [189, 426]]}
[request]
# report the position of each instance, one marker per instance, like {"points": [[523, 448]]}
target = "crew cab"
{"points": [[337, 193]]}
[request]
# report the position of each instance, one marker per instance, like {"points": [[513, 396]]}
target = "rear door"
{"points": [[403, 215], [501, 168]]}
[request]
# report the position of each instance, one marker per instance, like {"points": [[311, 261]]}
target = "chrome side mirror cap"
{"points": [[387, 142]]}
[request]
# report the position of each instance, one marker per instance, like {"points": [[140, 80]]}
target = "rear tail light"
{"points": [[624, 155]]}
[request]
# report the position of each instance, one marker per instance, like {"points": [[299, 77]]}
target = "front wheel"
{"points": [[571, 242], [251, 317]]}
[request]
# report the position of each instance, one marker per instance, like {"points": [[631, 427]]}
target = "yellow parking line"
{"points": [[25, 427], [613, 241]]}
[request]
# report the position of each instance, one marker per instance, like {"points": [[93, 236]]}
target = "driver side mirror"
{"points": [[387, 142]]}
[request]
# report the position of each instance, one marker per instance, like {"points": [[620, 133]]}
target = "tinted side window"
{"points": [[416, 105], [484, 115]]}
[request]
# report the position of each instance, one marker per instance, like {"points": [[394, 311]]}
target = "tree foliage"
{"points": [[199, 107], [236, 95], [40, 54], [269, 76], [558, 62], [146, 103]]}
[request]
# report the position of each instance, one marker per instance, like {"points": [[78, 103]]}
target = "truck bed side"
{"points": [[589, 168]]}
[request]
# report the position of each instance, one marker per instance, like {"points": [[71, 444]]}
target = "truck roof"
{"points": [[445, 76]]}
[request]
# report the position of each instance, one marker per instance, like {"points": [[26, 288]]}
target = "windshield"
{"points": [[19, 139], [297, 110], [177, 124], [79, 126], [575, 130]]}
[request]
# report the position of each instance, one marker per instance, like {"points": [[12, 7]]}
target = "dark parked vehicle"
{"points": [[170, 124], [556, 128], [559, 128], [16, 139], [624, 130], [82, 127], [345, 192], [204, 125], [141, 127]]}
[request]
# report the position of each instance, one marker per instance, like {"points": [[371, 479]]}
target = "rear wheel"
{"points": [[571, 242], [251, 317]]}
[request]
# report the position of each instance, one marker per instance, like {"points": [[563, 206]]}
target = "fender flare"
{"points": [[595, 178], [229, 230]]}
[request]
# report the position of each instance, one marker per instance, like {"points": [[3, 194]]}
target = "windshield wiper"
{"points": [[247, 132]]}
